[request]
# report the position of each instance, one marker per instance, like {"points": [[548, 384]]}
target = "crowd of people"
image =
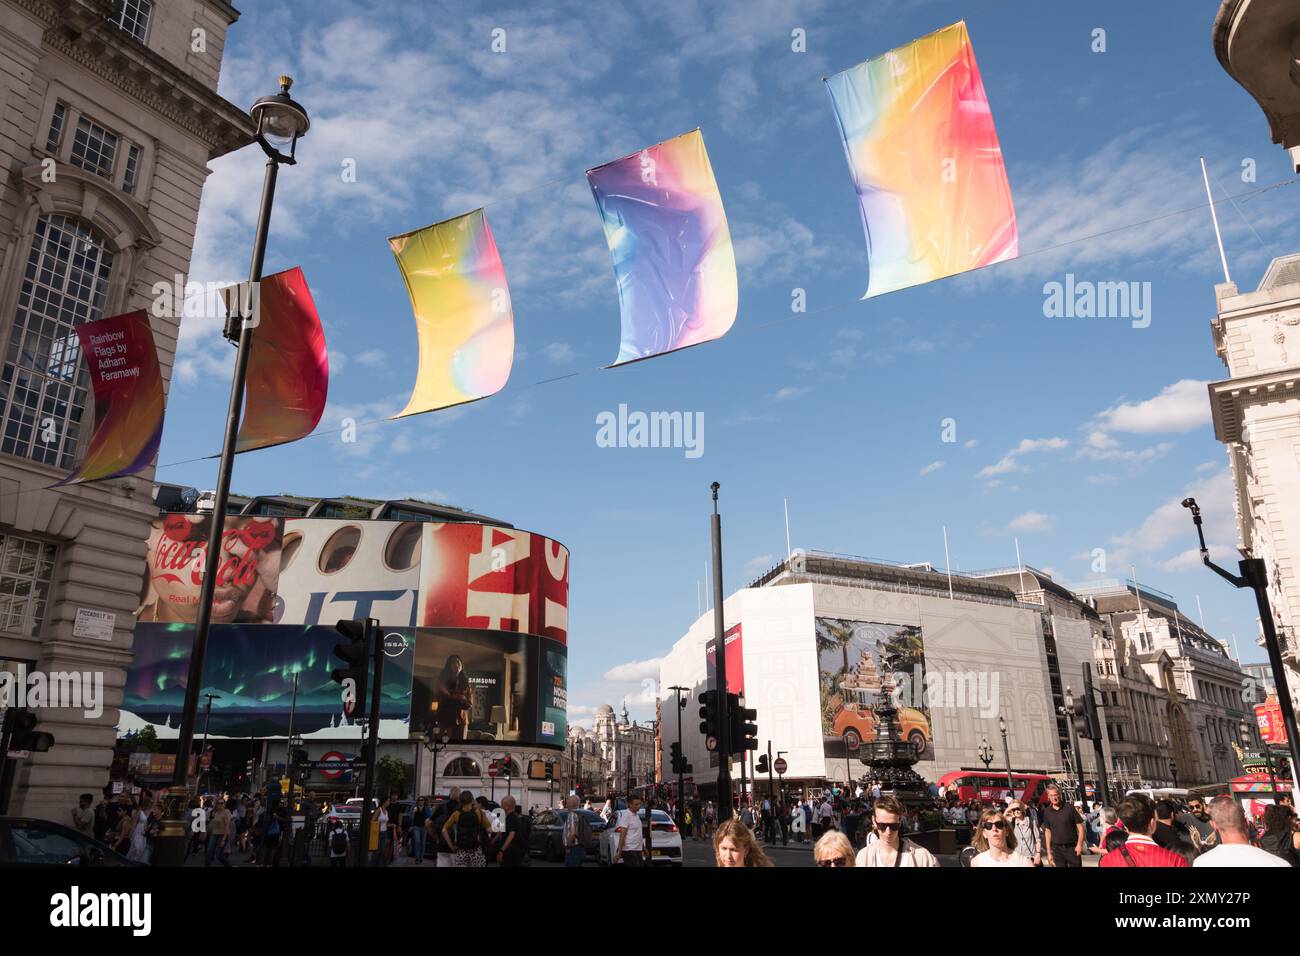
{"points": [[869, 828]]}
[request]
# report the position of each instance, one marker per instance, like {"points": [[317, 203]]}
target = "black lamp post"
{"points": [[435, 742], [1254, 575], [986, 754], [1006, 753], [281, 122]]}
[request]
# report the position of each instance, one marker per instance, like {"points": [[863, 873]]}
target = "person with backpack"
{"points": [[337, 840], [465, 831]]}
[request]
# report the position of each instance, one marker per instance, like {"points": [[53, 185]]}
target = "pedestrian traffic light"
{"points": [[356, 655], [744, 732], [550, 771], [709, 726], [761, 765], [25, 736]]}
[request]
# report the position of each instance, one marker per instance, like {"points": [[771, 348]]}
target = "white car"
{"points": [[350, 812], [665, 840]]}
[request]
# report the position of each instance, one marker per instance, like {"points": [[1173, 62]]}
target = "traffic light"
{"points": [[550, 770], [709, 726], [299, 756], [761, 766], [26, 736], [1079, 716], [356, 655], [744, 732]]}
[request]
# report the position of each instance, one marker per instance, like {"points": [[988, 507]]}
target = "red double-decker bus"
{"points": [[991, 787]]}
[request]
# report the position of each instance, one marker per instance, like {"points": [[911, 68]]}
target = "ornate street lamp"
{"points": [[280, 122]]}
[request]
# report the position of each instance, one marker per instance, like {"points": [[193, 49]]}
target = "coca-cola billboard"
{"points": [[403, 573], [247, 575]]}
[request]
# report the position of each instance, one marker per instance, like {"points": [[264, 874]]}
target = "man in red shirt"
{"points": [[1139, 816]]}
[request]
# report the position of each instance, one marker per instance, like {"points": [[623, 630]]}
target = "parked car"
{"points": [[665, 840], [26, 841], [547, 837]]}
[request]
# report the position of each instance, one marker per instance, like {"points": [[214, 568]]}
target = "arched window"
{"points": [[462, 767], [44, 383]]}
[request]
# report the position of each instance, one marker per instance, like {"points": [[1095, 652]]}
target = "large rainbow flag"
{"points": [[926, 162]]}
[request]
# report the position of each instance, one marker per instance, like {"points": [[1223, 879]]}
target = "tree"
{"points": [[145, 740], [390, 775]]}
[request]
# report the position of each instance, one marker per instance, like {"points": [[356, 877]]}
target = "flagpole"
{"points": [[1020, 568], [1215, 216], [1199, 612], [788, 551], [947, 562]]}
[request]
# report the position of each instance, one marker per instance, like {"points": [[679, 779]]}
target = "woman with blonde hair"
{"points": [[734, 845], [996, 841], [833, 849]]}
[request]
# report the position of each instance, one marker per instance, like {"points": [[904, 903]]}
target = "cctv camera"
{"points": [[1189, 502]]}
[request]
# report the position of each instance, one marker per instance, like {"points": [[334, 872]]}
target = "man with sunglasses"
{"points": [[892, 849], [1199, 827]]}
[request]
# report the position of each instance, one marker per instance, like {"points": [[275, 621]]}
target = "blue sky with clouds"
{"points": [[1072, 434]]}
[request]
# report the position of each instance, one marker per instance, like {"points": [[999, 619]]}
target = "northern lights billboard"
{"points": [[474, 684]]}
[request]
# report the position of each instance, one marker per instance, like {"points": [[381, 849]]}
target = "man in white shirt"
{"points": [[1234, 847], [892, 849], [631, 845]]}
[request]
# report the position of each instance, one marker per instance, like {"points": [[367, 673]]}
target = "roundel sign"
{"points": [[779, 765], [334, 757]]}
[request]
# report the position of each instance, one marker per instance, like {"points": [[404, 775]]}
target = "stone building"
{"points": [[1173, 695], [110, 115], [1257, 415], [625, 747]]}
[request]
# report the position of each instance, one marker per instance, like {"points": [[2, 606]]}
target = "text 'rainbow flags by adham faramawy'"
{"points": [[668, 236], [925, 158], [463, 317]]}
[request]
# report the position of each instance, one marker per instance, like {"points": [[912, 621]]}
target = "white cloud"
{"points": [[972, 443], [1030, 521], [634, 671], [1207, 466], [759, 563], [932, 467], [1179, 407], [371, 358], [1170, 526], [1011, 460], [561, 353], [791, 391]]}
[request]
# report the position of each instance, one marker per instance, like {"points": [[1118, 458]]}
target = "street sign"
{"points": [[779, 765], [492, 771], [711, 744], [332, 765]]}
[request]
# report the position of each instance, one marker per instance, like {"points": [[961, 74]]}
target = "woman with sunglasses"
{"points": [[1025, 834], [997, 843], [833, 849]]}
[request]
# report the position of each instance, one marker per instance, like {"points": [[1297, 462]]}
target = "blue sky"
{"points": [[1072, 434]]}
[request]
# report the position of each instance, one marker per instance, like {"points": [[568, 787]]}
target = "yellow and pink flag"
{"points": [[926, 162], [463, 317]]}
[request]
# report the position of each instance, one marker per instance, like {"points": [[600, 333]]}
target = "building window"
{"points": [[56, 127], [132, 173], [44, 382], [94, 148], [132, 16], [462, 767], [26, 567]]}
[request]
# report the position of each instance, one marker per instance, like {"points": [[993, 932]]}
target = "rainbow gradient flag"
{"points": [[667, 233], [926, 162], [122, 361], [288, 365], [463, 317]]}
